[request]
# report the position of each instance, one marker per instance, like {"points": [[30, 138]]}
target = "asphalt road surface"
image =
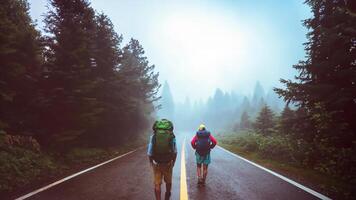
{"points": [[130, 177]]}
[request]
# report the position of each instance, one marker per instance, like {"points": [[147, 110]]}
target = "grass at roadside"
{"points": [[23, 169], [249, 149]]}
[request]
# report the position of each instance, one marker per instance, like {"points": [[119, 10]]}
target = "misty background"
{"points": [[221, 111], [216, 59], [82, 81]]}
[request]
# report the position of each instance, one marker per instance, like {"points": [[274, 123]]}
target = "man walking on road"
{"points": [[203, 142], [162, 154]]}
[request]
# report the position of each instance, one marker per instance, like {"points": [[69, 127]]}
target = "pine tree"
{"points": [[245, 122], [167, 103], [258, 94], [265, 123], [109, 105], [261, 103], [140, 87], [287, 121], [303, 127], [68, 83], [326, 84], [218, 101], [142, 78], [107, 53], [20, 57], [244, 106], [274, 102]]}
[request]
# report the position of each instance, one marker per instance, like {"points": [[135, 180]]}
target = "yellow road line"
{"points": [[183, 177]]}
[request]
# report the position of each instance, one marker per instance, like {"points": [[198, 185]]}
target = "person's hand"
{"points": [[150, 160], [174, 160]]}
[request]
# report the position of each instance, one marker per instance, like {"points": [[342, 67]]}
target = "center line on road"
{"points": [[183, 177]]}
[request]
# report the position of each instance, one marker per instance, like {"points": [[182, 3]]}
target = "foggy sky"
{"points": [[198, 46]]}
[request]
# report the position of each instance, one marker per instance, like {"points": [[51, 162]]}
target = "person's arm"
{"points": [[150, 150], [174, 150], [213, 141], [193, 142]]}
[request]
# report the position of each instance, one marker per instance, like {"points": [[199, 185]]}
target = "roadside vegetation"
{"points": [[314, 138], [24, 166], [269, 141], [71, 95]]}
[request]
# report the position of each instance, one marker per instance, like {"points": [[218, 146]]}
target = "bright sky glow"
{"points": [[206, 47], [198, 46]]}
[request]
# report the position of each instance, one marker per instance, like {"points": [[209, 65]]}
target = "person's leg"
{"points": [[158, 191], [168, 191], [199, 170], [168, 180], [157, 181], [206, 162], [205, 171]]}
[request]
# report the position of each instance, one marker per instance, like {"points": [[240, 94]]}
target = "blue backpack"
{"points": [[203, 142]]}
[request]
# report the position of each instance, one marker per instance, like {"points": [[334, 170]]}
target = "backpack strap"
{"points": [[153, 139], [173, 137]]}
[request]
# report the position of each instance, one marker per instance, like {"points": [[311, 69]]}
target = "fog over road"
{"points": [[130, 177]]}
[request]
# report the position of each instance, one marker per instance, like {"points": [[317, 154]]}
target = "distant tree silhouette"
{"points": [[258, 93], [245, 122], [167, 103], [265, 123]]}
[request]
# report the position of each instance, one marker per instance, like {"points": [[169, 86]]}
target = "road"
{"points": [[130, 177]]}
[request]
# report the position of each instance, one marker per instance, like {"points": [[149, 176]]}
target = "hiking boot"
{"points": [[203, 181], [200, 180], [167, 196]]}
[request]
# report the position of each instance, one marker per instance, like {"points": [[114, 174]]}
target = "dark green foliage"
{"points": [[265, 122], [75, 85], [276, 147], [139, 73], [93, 90], [19, 66], [287, 120], [248, 141], [326, 85], [73, 89], [325, 91], [137, 86], [107, 54], [19, 166], [68, 82], [21, 161]]}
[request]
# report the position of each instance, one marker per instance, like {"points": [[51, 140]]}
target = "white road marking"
{"points": [[320, 196], [72, 176]]}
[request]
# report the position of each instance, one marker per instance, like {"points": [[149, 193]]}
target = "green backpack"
{"points": [[163, 141]]}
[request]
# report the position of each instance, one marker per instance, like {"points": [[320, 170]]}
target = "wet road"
{"points": [[130, 177]]}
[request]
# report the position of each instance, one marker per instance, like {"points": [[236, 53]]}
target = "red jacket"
{"points": [[195, 138]]}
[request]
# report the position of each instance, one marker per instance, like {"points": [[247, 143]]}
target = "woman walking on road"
{"points": [[203, 142]]}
